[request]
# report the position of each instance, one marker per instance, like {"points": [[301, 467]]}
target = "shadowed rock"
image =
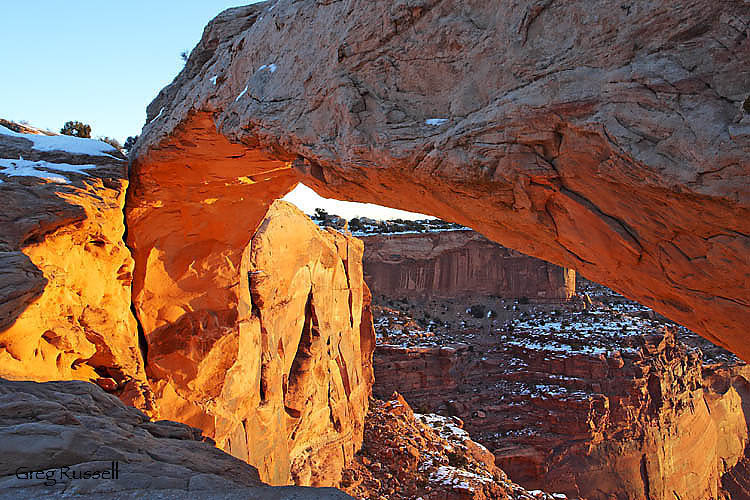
{"points": [[77, 426]]}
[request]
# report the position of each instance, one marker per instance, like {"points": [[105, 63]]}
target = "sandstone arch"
{"points": [[610, 138]]}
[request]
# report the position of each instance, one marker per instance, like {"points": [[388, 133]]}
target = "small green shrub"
{"points": [[76, 129], [130, 142]]}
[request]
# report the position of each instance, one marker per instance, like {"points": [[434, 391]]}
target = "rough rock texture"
{"points": [[458, 264], [286, 388], [279, 379], [600, 404], [75, 425], [408, 456], [610, 138], [65, 272]]}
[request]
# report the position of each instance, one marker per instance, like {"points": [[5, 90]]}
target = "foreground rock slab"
{"points": [[613, 139], [77, 426]]}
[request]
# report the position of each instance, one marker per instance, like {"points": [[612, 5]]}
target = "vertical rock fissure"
{"points": [[299, 373], [349, 286], [644, 478], [142, 341]]}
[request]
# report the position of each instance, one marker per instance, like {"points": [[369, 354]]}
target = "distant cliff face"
{"points": [[458, 263], [597, 404]]}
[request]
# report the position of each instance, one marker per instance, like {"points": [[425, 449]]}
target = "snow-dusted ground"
{"points": [[367, 227], [462, 478], [73, 145]]}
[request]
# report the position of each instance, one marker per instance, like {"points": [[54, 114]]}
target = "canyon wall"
{"points": [[635, 419], [286, 388], [65, 272], [458, 264], [408, 456], [608, 138]]}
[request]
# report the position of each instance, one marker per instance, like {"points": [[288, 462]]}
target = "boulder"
{"points": [[52, 434]]}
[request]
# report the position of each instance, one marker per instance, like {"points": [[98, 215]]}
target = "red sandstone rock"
{"points": [[457, 264], [280, 380], [286, 388], [599, 404], [65, 272], [603, 137], [408, 456]]}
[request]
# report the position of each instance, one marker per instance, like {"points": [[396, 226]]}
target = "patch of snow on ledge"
{"points": [[244, 91], [67, 143], [26, 168], [434, 122], [157, 116]]}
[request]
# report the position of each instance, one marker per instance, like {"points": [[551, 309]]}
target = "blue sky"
{"points": [[102, 62], [99, 62]]}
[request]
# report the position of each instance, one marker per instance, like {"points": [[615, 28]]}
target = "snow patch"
{"points": [[244, 91], [157, 116], [434, 122], [213, 79], [270, 67], [67, 143], [26, 168]]}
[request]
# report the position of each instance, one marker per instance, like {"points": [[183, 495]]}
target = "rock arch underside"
{"points": [[609, 137], [612, 138]]}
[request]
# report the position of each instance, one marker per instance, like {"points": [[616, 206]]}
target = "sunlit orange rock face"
{"points": [[285, 385], [607, 138], [65, 272]]}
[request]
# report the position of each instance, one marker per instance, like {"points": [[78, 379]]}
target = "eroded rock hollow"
{"points": [[604, 137], [65, 272]]}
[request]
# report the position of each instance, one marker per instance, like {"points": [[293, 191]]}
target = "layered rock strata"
{"points": [[284, 387], [68, 429], [65, 272], [602, 404], [608, 138], [457, 264]]}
